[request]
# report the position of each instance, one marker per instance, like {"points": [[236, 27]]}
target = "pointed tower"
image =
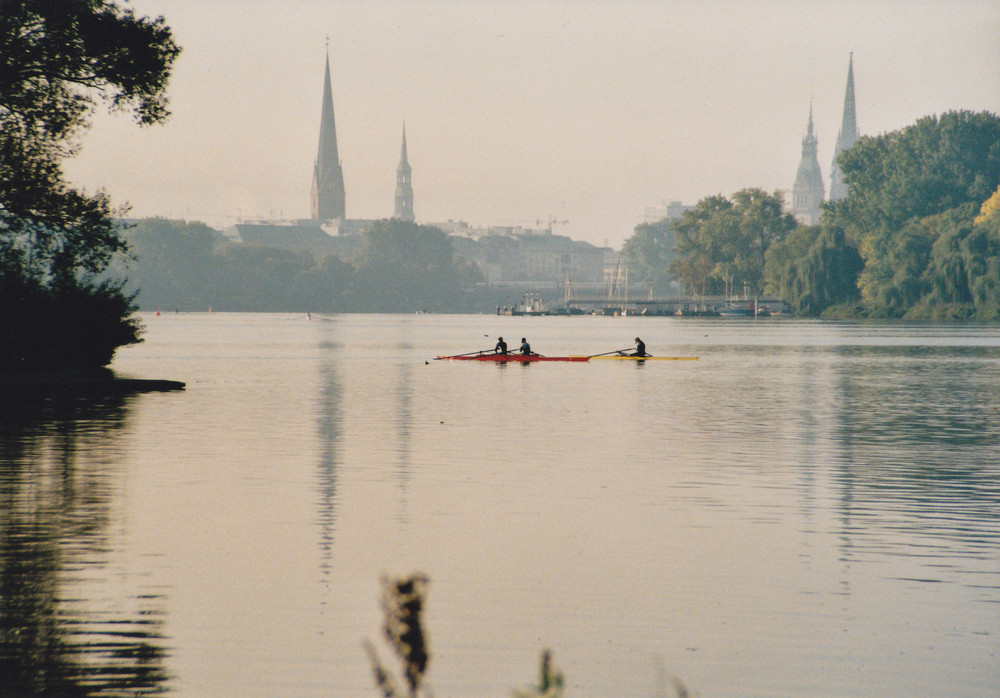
{"points": [[807, 194], [404, 190], [328, 200], [847, 136]]}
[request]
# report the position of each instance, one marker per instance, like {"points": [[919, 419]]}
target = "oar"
{"points": [[616, 351], [471, 353]]}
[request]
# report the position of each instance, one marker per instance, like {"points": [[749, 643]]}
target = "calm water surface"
{"points": [[811, 509]]}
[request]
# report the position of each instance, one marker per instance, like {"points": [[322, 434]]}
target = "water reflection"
{"points": [[63, 629], [404, 423], [329, 428], [919, 434]]}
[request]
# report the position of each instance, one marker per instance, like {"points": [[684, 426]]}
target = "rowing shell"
{"points": [[515, 358], [531, 358]]}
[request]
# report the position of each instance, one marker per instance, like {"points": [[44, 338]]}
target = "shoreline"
{"points": [[84, 380]]}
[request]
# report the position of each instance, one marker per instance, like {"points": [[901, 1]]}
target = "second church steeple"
{"points": [[807, 194], [404, 188]]}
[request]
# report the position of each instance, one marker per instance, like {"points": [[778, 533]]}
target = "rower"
{"points": [[525, 347], [640, 348], [501, 347]]}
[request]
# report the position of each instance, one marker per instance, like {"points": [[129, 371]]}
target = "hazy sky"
{"points": [[517, 111]]}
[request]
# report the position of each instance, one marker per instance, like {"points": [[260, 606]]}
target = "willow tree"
{"points": [[58, 62], [813, 269]]}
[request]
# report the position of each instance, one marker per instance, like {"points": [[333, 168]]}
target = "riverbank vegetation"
{"points": [[58, 61], [918, 236]]}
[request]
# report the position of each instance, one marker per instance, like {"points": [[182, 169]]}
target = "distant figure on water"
{"points": [[640, 348], [525, 347], [501, 347]]}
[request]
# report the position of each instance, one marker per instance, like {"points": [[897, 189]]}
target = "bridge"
{"points": [[675, 306]]}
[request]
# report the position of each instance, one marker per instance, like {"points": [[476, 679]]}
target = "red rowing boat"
{"points": [[513, 358]]}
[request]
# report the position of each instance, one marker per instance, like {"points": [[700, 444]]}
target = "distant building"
{"points": [[675, 209], [325, 231], [529, 257], [404, 188], [807, 194], [512, 257], [311, 236], [847, 136], [329, 200]]}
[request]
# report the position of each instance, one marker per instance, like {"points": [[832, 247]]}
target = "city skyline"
{"points": [[516, 113]]}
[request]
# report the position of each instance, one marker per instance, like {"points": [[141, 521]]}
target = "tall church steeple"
{"points": [[847, 136], [404, 189], [328, 198], [807, 194]]}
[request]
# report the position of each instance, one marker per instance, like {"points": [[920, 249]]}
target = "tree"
{"points": [[649, 252], [912, 214], [57, 62], [700, 235], [814, 269], [936, 164], [723, 243], [780, 259], [963, 269], [254, 277], [171, 264], [990, 207], [404, 267]]}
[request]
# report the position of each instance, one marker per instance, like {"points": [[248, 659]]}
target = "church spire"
{"points": [[847, 136], [328, 198], [404, 189], [807, 194]]}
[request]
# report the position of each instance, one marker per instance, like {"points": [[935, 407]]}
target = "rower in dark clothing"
{"points": [[501, 347], [525, 347], [640, 348]]}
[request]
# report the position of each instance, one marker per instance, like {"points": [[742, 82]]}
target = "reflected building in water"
{"points": [[329, 429], [941, 501]]}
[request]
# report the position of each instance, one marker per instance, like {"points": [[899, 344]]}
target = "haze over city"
{"points": [[518, 112]]}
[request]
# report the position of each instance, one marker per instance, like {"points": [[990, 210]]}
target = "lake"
{"points": [[809, 509]]}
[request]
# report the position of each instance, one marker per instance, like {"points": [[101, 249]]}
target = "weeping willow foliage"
{"points": [[823, 273]]}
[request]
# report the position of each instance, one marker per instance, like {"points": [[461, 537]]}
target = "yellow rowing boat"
{"points": [[645, 358]]}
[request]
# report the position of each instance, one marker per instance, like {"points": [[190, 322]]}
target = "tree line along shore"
{"points": [[918, 235]]}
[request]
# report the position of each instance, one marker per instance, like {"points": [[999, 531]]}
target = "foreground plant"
{"points": [[402, 604], [550, 681]]}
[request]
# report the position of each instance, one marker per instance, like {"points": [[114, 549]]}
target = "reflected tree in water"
{"points": [[59, 634], [920, 443]]}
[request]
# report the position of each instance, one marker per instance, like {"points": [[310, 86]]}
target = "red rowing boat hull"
{"points": [[514, 358]]}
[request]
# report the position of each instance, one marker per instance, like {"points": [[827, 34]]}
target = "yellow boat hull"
{"points": [[646, 358]]}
